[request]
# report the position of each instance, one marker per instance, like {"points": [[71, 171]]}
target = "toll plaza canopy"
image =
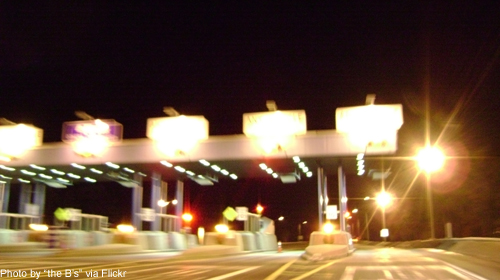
{"points": [[217, 158]]}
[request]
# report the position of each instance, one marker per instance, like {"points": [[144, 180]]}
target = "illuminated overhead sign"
{"points": [[370, 125], [275, 128], [91, 137], [177, 135], [16, 139]]}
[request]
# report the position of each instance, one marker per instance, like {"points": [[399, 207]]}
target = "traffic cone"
{"points": [[279, 247]]}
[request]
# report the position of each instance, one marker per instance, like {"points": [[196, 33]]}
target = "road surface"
{"points": [[364, 264]]}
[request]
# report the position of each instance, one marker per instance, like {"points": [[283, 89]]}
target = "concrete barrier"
{"points": [[249, 241], [178, 241], [328, 246]]}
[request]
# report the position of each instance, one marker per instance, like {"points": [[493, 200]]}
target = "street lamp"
{"points": [[430, 159]]}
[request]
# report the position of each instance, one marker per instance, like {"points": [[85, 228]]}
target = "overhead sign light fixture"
{"points": [[370, 126], [16, 139], [274, 129], [91, 137], [177, 135]]}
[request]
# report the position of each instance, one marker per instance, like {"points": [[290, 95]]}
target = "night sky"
{"points": [[126, 60]]}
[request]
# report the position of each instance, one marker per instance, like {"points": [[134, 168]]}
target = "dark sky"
{"points": [[126, 60]]}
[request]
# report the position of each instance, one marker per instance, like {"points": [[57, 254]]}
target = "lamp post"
{"points": [[430, 159], [383, 200]]}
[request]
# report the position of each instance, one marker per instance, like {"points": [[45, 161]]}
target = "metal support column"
{"points": [[320, 197], [342, 198], [4, 203], [24, 198], [155, 197], [137, 202], [179, 208], [39, 200]]}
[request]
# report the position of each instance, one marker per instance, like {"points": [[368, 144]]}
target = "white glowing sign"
{"points": [[370, 123], [90, 138], [15, 140], [275, 128], [178, 134]]}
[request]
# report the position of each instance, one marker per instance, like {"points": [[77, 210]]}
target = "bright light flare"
{"points": [[38, 227], [125, 228], [384, 199], [430, 159], [221, 228], [328, 228], [187, 217]]}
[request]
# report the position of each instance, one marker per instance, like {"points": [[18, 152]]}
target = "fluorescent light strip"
{"points": [[263, 166], [88, 179], [305, 169], [5, 177], [23, 181], [215, 167], [269, 171], [128, 170], [301, 164], [63, 180], [76, 165], [57, 172], [166, 163], [180, 169], [37, 167], [45, 176], [112, 165], [7, 168], [190, 173], [204, 162], [97, 171], [360, 156], [28, 172], [275, 175], [296, 159], [142, 174], [224, 172], [233, 176], [74, 176], [309, 174]]}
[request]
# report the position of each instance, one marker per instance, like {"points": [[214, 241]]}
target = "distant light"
{"points": [[204, 162], [97, 171], [304, 222], [309, 174], [37, 167], [269, 171], [28, 172], [360, 162], [328, 228], [233, 176], [301, 164], [366, 198], [430, 159], [355, 210], [125, 228], [76, 165], [88, 179], [281, 218], [112, 165], [224, 172], [7, 168], [187, 217], [215, 167], [305, 169], [162, 203], [180, 168], [23, 181], [57, 172], [166, 163], [360, 156], [142, 174], [361, 172], [263, 166], [74, 176], [45, 176], [174, 202], [128, 170], [221, 228], [296, 159], [275, 175], [38, 227], [361, 167]]}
